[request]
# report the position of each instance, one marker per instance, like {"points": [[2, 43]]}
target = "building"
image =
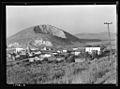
{"points": [[76, 53], [64, 50], [58, 51], [46, 55], [19, 49], [91, 49], [79, 59], [75, 48]]}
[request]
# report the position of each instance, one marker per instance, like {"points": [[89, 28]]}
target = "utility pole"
{"points": [[108, 23]]}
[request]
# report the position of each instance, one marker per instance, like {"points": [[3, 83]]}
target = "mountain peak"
{"points": [[49, 29], [50, 35]]}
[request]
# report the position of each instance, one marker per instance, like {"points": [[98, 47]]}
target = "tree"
{"points": [[71, 58]]}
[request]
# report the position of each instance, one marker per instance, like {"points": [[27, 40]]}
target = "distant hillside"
{"points": [[56, 36], [46, 34], [101, 36]]}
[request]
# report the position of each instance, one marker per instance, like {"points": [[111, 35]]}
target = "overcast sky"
{"points": [[73, 19]]}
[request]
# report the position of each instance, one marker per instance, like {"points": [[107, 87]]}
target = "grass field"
{"points": [[98, 71]]}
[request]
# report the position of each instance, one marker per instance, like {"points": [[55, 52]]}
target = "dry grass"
{"points": [[98, 71]]}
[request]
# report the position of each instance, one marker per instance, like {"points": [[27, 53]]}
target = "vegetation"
{"points": [[97, 71]]}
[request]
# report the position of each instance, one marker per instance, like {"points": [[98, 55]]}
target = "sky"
{"points": [[71, 18]]}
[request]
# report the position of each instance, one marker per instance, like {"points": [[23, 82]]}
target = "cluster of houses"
{"points": [[42, 42], [46, 52]]}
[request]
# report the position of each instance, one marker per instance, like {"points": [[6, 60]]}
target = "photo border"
{"points": [[3, 42]]}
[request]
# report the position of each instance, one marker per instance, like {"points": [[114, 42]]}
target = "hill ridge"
{"points": [[57, 36]]}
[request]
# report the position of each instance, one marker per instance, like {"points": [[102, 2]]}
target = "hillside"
{"points": [[101, 36], [52, 34]]}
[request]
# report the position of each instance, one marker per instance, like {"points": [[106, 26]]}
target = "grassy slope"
{"points": [[99, 71], [102, 36]]}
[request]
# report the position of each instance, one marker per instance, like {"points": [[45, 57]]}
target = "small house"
{"points": [[31, 59], [76, 53], [19, 49], [91, 49], [46, 55], [64, 50], [79, 59], [75, 48], [58, 51]]}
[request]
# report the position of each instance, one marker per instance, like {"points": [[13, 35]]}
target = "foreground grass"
{"points": [[97, 72]]}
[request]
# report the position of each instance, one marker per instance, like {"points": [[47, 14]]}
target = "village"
{"points": [[49, 54]]}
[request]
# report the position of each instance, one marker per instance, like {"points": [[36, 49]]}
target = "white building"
{"points": [[39, 52], [79, 60], [45, 55], [33, 49], [42, 42], [90, 49], [65, 51], [19, 49], [76, 53], [75, 48], [54, 53], [31, 59], [58, 51]]}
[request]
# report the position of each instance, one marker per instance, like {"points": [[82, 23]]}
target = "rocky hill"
{"points": [[45, 33]]}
